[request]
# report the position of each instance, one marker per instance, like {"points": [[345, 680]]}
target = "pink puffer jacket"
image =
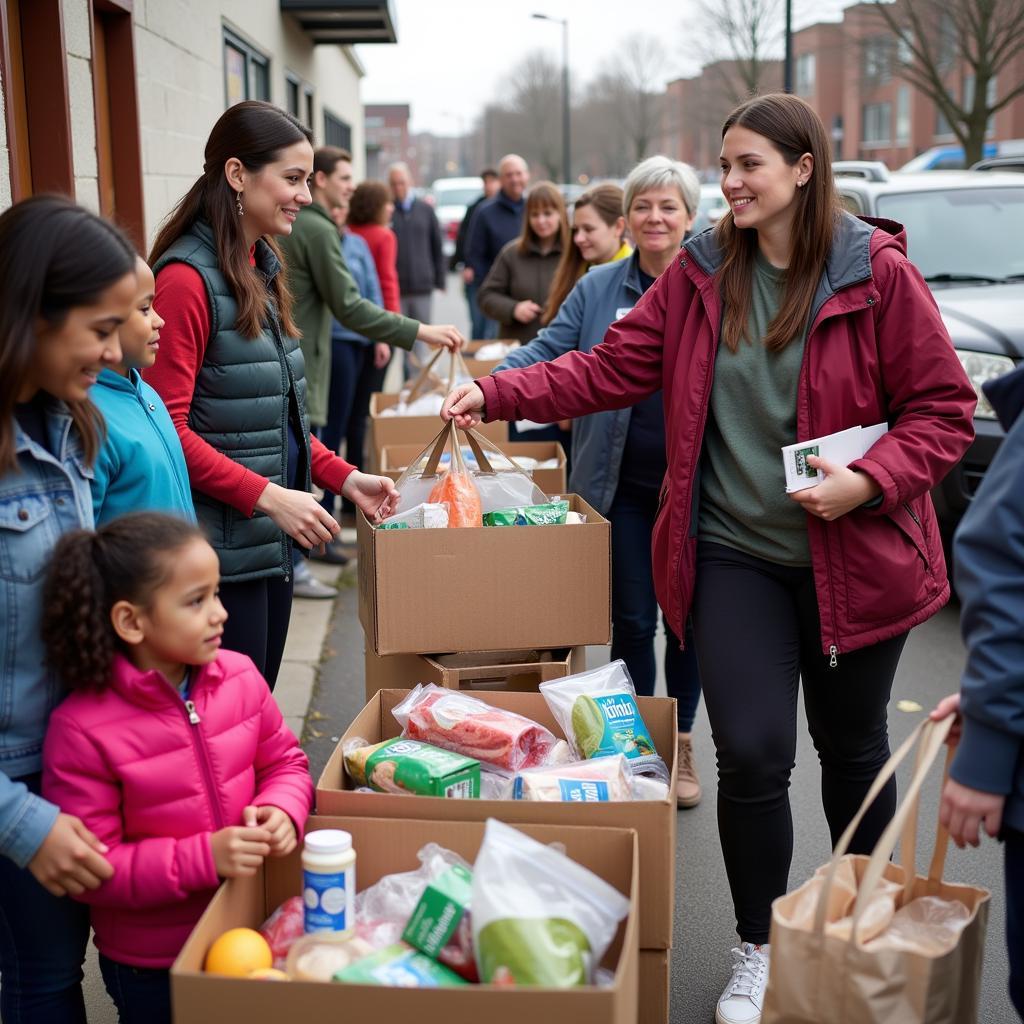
{"points": [[155, 787]]}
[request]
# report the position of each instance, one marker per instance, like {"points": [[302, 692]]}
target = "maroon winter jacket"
{"points": [[877, 350]]}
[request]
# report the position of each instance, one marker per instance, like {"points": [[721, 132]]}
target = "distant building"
{"points": [[387, 138]]}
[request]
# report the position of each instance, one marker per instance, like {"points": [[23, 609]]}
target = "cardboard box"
{"points": [[519, 671], [654, 821], [655, 985], [481, 367], [386, 847], [388, 430], [486, 588], [395, 459]]}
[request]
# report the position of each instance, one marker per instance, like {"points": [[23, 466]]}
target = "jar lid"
{"points": [[328, 840]]}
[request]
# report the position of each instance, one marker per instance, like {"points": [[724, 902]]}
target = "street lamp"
{"points": [[566, 150], [787, 75]]}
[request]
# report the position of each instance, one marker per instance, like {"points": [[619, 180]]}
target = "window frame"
{"points": [[252, 58], [866, 119], [328, 117]]}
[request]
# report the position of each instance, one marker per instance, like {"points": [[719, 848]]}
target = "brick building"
{"points": [[387, 138]]}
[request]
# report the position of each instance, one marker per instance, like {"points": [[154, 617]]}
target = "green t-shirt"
{"points": [[743, 501]]}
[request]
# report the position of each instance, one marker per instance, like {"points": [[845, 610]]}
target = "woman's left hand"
{"points": [[841, 491], [376, 496]]}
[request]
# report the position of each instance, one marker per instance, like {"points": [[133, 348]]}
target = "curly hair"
{"points": [[90, 571], [367, 202]]}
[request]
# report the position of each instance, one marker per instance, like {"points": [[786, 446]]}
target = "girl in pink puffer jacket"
{"points": [[172, 751]]}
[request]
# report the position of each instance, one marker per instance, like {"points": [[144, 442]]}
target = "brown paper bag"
{"points": [[827, 970]]}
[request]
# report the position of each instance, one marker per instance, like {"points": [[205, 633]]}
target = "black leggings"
{"points": [[258, 614], [757, 633]]}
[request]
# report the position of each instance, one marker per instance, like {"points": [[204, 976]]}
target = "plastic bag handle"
{"points": [[485, 443], [484, 464], [436, 449], [424, 376]]}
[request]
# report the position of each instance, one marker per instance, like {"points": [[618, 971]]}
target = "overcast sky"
{"points": [[452, 54]]}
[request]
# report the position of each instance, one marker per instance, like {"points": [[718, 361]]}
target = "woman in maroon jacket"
{"points": [[791, 320]]}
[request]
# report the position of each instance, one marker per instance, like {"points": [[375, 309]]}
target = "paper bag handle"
{"points": [[424, 376]]}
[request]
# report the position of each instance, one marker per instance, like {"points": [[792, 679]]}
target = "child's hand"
{"points": [[282, 832], [239, 850]]}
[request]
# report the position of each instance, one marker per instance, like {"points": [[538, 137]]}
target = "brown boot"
{"points": [[688, 785]]}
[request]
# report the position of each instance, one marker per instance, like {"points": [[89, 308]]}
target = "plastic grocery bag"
{"points": [[457, 490], [424, 395], [467, 725], [597, 711], [539, 918]]}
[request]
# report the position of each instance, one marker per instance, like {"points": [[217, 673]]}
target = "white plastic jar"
{"points": [[329, 881]]}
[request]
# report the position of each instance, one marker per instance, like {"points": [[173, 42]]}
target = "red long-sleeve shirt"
{"points": [[384, 250], [181, 300]]}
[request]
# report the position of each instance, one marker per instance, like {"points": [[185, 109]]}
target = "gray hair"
{"points": [[400, 165], [660, 172]]}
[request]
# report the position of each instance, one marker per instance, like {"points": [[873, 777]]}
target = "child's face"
{"points": [[140, 333]]}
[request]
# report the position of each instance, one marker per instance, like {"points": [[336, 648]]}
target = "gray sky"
{"points": [[452, 54]]}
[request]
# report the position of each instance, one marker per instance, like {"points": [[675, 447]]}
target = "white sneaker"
{"points": [[307, 585], [743, 997]]}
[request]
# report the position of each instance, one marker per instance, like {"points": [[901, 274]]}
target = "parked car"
{"points": [[712, 206], [964, 233], [1000, 163], [944, 158], [450, 197]]}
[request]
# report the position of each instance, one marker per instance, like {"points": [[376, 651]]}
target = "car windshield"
{"points": [[455, 196], [961, 231]]}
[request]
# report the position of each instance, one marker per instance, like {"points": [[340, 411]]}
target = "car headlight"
{"points": [[981, 367]]}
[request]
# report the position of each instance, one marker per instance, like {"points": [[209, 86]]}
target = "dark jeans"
{"points": [[42, 946], [142, 995], [258, 614], [1013, 861], [635, 608], [480, 327], [757, 630]]}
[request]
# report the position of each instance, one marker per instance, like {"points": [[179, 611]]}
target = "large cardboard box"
{"points": [[654, 820], [481, 367], [519, 671], [486, 588], [386, 847], [655, 985], [388, 430], [395, 458]]}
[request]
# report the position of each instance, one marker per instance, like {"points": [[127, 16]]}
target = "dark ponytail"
{"points": [[125, 560]]}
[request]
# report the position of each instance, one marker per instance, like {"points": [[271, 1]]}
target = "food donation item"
{"points": [[539, 918], [329, 881], [597, 710], [401, 966], [284, 926], [320, 956], [552, 513], [457, 490], [424, 516], [237, 953], [599, 780], [468, 726], [408, 766]]}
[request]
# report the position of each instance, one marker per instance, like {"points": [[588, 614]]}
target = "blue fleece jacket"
{"points": [[141, 467]]}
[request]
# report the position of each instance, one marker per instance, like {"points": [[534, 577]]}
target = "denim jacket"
{"points": [[45, 497]]}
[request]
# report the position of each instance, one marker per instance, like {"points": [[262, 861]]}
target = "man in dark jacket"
{"points": [[481, 327], [497, 221], [986, 785]]}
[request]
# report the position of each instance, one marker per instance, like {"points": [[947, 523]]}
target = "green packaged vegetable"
{"points": [[400, 966], [552, 513], [408, 766], [549, 952]]}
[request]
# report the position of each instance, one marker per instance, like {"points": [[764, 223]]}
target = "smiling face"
{"points": [[140, 333], [658, 220], [335, 189], [513, 176], [273, 196], [760, 187], [545, 222], [597, 242]]}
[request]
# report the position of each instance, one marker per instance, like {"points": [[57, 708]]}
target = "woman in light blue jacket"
{"points": [[618, 458], [67, 283]]}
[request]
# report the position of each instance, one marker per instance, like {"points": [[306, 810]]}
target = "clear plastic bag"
{"points": [[539, 918], [425, 516], [283, 928], [599, 780], [928, 925]]}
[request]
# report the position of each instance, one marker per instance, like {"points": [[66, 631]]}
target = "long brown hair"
{"points": [[54, 256], [793, 128], [543, 196], [607, 201], [255, 133]]}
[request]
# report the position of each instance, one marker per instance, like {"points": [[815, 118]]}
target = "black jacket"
{"points": [[421, 266], [495, 224], [459, 257]]}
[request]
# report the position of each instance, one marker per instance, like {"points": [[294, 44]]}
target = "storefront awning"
{"points": [[344, 22]]}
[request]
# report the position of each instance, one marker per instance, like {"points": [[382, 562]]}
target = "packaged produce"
{"points": [[320, 956], [400, 966], [425, 516], [283, 927], [408, 766], [539, 918], [468, 726], [329, 881], [600, 780], [458, 491], [597, 710], [237, 953], [551, 513]]}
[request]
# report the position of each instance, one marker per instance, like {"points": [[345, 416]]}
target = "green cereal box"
{"points": [[408, 766]]}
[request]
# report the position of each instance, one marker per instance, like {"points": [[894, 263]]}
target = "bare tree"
{"points": [[934, 36], [741, 37], [533, 91]]}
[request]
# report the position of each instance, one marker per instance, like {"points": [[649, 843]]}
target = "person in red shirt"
{"points": [[369, 214]]}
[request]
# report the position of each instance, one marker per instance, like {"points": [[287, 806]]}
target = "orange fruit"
{"points": [[239, 952]]}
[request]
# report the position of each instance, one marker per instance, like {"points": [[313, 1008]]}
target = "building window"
{"points": [[308, 102], [990, 99], [876, 63], [943, 128], [904, 47], [903, 115], [876, 123], [292, 91], [246, 71], [805, 69], [337, 132]]}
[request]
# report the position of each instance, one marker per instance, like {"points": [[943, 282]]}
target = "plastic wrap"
{"points": [[928, 925], [320, 955], [406, 766], [283, 928], [424, 516], [599, 780], [458, 491]]}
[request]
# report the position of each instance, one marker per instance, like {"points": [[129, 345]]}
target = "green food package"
{"points": [[610, 723], [550, 952], [400, 966], [551, 514], [408, 766], [393, 526], [440, 910]]}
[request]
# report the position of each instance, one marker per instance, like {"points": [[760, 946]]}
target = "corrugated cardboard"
{"points": [[388, 430], [521, 671], [486, 588], [480, 367], [655, 986], [655, 821], [396, 457], [386, 847]]}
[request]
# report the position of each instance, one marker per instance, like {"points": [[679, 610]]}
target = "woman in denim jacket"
{"points": [[67, 282]]}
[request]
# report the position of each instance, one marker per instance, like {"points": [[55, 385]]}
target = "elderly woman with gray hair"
{"points": [[618, 458]]}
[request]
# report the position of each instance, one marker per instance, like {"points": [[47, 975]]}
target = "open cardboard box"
{"points": [[395, 458], [655, 985], [654, 820], [388, 430], [383, 848], [519, 671], [486, 588], [482, 367]]}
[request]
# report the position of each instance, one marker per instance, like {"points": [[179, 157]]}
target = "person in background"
{"points": [[140, 466], [986, 779], [369, 215], [618, 458], [516, 289], [67, 285], [480, 326], [421, 264]]}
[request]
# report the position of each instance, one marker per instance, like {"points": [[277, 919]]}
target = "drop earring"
{"points": [[238, 205]]}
